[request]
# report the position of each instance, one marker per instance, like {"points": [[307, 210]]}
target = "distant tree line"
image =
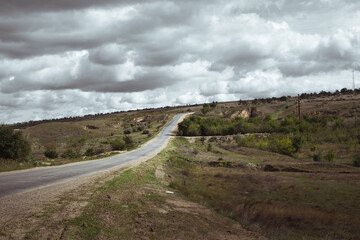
{"points": [[343, 91]]}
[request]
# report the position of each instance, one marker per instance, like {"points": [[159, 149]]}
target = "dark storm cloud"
{"points": [[16, 6]]}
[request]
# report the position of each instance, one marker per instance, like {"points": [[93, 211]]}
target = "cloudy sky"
{"points": [[74, 57]]}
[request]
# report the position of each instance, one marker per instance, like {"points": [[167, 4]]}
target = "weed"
{"points": [[317, 157], [330, 156], [356, 161], [52, 154]]}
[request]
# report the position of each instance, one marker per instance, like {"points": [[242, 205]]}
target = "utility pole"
{"points": [[353, 79], [299, 107]]}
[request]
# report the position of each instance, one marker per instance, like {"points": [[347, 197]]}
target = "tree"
{"points": [[13, 145]]}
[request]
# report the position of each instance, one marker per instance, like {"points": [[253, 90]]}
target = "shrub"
{"points": [[297, 141], [206, 108], [209, 147], [13, 145], [146, 131], [330, 156], [99, 150], [128, 130], [282, 145], [356, 161], [140, 128], [118, 144], [52, 154], [317, 157], [70, 153], [128, 141], [314, 148], [90, 152]]}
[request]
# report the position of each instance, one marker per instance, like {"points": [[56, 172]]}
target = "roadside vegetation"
{"points": [[134, 204], [277, 195], [283, 177], [318, 137], [56, 143]]}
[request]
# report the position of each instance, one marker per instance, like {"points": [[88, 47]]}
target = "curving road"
{"points": [[20, 181]]}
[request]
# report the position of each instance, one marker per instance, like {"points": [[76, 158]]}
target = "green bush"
{"points": [[146, 131], [297, 142], [282, 145], [99, 150], [90, 152], [330, 156], [206, 108], [70, 153], [356, 161], [317, 157], [118, 144], [13, 145], [128, 130], [128, 141], [52, 154], [140, 128]]}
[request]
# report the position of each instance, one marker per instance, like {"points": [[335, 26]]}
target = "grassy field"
{"points": [[277, 195]]}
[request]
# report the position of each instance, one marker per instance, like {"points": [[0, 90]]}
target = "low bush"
{"points": [[90, 152], [356, 161], [317, 156], [70, 153], [128, 130], [52, 154], [282, 145], [330, 156], [118, 144], [128, 141]]}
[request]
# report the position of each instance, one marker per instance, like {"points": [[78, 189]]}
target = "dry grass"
{"points": [[281, 205]]}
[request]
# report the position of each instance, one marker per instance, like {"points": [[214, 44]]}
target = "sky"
{"points": [[61, 58]]}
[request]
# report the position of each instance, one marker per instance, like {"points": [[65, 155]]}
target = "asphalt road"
{"points": [[20, 181]]}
